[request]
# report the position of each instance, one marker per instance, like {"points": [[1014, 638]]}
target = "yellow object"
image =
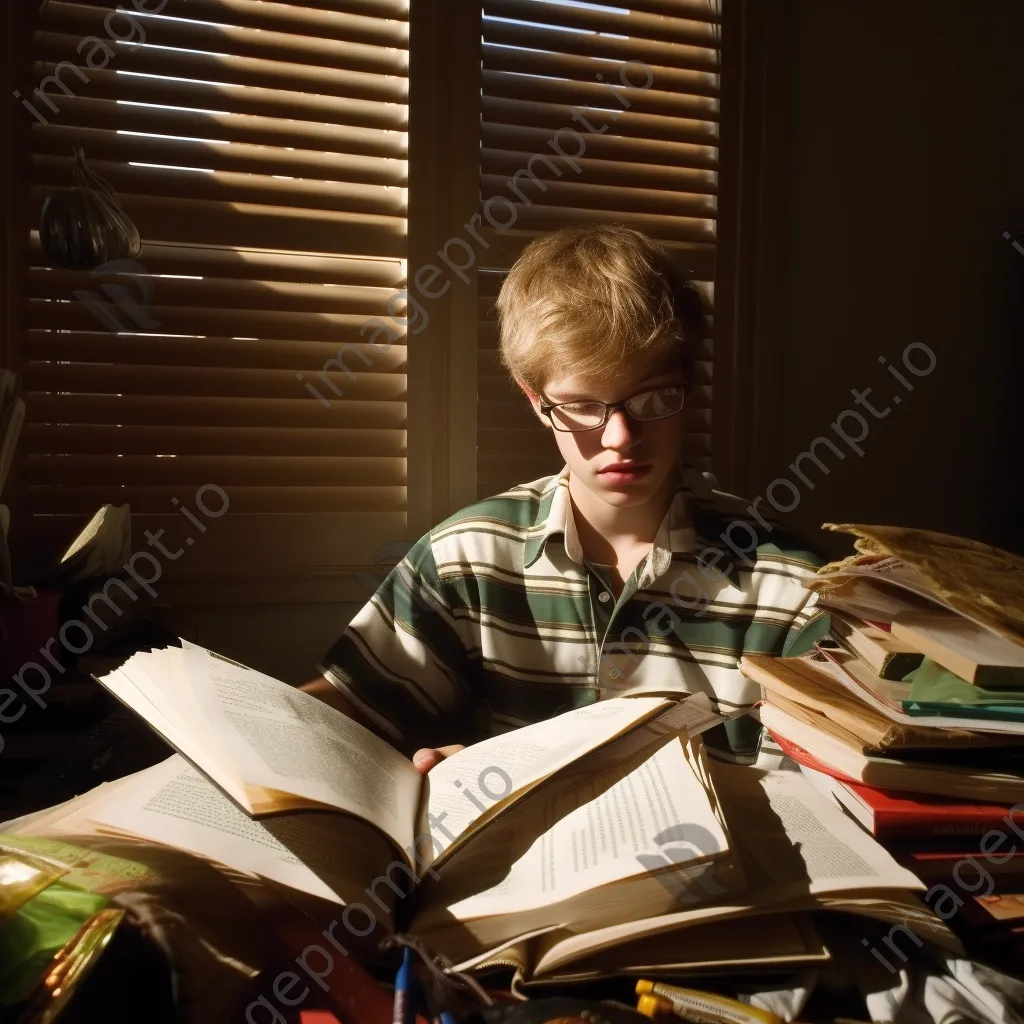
{"points": [[704, 1007], [654, 1006]]}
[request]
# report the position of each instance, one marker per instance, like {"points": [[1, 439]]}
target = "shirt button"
{"points": [[604, 597]]}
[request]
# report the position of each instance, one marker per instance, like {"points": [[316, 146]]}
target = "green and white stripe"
{"points": [[495, 620]]}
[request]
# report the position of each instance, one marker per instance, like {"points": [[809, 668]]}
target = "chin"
{"points": [[622, 498], [629, 495]]}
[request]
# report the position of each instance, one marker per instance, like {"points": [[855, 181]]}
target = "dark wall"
{"points": [[906, 168]]}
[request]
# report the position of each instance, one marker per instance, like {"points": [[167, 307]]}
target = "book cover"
{"points": [[887, 655], [903, 815], [812, 747], [965, 648]]}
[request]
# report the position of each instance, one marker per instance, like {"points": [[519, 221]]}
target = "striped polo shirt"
{"points": [[496, 619]]}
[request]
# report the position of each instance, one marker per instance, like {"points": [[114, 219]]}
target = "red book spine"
{"points": [[895, 826], [905, 817], [903, 829], [801, 756], [914, 820]]}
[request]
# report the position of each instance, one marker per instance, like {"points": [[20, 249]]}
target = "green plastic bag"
{"points": [[32, 937]]}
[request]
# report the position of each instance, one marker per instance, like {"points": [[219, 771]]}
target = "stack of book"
{"points": [[906, 707]]}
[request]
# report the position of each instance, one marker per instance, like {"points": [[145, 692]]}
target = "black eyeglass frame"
{"points": [[610, 407]]}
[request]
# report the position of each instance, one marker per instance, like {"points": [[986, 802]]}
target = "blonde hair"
{"points": [[595, 299]]}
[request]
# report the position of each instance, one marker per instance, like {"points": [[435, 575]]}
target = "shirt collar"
{"points": [[692, 525], [554, 511]]}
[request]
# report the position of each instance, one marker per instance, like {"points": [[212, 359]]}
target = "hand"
{"points": [[426, 757]]}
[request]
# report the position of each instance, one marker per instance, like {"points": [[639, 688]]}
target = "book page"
{"points": [[470, 787], [173, 712], [284, 739], [949, 633], [800, 838], [323, 854], [584, 832], [798, 851], [890, 699], [808, 684]]}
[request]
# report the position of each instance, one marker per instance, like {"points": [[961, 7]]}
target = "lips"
{"points": [[624, 472]]}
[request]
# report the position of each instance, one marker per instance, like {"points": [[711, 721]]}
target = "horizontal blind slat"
{"points": [[101, 144], [227, 186], [581, 44], [698, 10], [694, 259], [160, 410], [261, 227], [226, 470], [236, 99], [568, 66], [260, 266], [147, 350], [225, 296], [233, 323], [352, 55], [248, 128], [242, 500], [635, 25], [92, 439], [612, 199], [625, 124], [208, 381], [304, 19], [231, 70], [530, 87], [538, 140], [551, 218]]}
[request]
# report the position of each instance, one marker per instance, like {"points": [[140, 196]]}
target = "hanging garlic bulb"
{"points": [[84, 227]]}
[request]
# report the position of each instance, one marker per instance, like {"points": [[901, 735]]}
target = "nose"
{"points": [[620, 432]]}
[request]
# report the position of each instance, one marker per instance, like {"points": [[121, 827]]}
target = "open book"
{"points": [[797, 852], [554, 825]]}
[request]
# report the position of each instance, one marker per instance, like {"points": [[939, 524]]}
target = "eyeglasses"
{"points": [[643, 406]]}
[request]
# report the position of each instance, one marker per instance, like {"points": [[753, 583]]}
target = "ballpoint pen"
{"points": [[403, 1011]]}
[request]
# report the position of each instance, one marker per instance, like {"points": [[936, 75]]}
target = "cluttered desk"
{"points": [[284, 862]]}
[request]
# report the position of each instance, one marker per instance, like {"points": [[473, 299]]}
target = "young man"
{"points": [[624, 571]]}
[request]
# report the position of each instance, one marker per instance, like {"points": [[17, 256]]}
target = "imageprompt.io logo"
{"points": [[682, 845]]}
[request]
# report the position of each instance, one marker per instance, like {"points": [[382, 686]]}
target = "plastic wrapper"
{"points": [[24, 875], [32, 937]]}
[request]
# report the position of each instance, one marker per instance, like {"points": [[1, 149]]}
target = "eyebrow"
{"points": [[660, 380]]}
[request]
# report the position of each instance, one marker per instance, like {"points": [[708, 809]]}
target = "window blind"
{"points": [[260, 148], [622, 104]]}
